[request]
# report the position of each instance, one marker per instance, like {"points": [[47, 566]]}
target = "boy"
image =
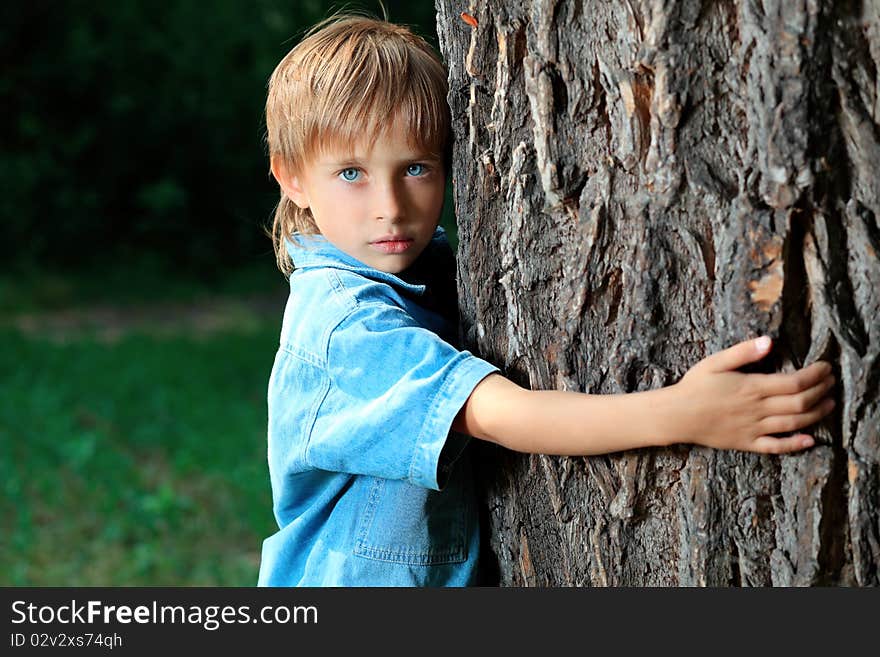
{"points": [[369, 485]]}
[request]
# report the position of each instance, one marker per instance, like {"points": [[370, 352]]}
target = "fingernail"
{"points": [[807, 442], [762, 343]]}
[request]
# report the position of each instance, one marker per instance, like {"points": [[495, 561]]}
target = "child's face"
{"points": [[381, 206]]}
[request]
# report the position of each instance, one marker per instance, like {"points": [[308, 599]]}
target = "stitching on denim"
{"points": [[416, 559], [454, 551], [312, 415], [302, 353], [429, 557], [341, 292], [370, 511], [312, 419], [468, 363], [429, 419], [347, 305]]}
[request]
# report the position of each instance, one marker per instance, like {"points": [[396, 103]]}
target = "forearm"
{"points": [[567, 423]]}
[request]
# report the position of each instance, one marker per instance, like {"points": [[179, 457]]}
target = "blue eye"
{"points": [[350, 174], [419, 169]]}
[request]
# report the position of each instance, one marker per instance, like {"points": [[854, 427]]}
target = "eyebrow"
{"points": [[341, 163]]}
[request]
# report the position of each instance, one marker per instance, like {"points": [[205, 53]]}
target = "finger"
{"points": [[797, 403], [738, 355], [771, 445], [784, 423], [790, 383]]}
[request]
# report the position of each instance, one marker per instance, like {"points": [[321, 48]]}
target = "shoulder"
{"points": [[342, 291], [338, 291], [324, 301]]}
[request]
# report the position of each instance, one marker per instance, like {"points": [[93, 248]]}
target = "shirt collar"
{"points": [[315, 251]]}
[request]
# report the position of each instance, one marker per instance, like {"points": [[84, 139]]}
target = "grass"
{"points": [[135, 462]]}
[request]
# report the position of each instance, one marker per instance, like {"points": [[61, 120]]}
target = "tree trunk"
{"points": [[638, 184]]}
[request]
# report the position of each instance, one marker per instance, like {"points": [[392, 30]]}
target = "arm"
{"points": [[712, 405]]}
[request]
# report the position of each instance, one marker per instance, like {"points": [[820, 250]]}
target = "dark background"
{"points": [[139, 299], [134, 131]]}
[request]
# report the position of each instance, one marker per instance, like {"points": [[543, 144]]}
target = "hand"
{"points": [[726, 409]]}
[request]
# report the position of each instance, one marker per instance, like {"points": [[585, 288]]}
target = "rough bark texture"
{"points": [[640, 183]]}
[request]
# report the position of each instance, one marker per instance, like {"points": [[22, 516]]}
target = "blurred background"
{"points": [[139, 300]]}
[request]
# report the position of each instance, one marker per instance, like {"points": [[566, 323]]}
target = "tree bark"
{"points": [[638, 184]]}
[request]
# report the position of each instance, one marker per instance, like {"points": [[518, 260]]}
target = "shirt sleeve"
{"points": [[395, 389]]}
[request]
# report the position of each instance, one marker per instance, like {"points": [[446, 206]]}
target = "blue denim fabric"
{"points": [[369, 486]]}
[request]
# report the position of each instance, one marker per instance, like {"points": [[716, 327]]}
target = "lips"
{"points": [[392, 243]]}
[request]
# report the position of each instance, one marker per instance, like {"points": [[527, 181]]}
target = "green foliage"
{"points": [[133, 127]]}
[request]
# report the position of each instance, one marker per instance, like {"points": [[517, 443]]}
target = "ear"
{"points": [[289, 183]]}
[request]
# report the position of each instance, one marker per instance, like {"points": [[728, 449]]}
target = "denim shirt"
{"points": [[369, 485]]}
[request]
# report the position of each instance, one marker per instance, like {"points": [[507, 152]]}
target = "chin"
{"points": [[393, 269]]}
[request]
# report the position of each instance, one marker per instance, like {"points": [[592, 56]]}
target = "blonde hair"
{"points": [[348, 78]]}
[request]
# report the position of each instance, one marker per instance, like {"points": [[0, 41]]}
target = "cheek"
{"points": [[333, 199], [431, 196]]}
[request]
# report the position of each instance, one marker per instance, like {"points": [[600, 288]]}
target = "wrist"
{"points": [[672, 412]]}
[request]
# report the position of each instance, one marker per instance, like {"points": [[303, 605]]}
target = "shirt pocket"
{"points": [[408, 524]]}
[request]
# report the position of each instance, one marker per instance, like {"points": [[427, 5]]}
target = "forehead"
{"points": [[391, 142]]}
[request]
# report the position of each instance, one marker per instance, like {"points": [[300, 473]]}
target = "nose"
{"points": [[389, 202]]}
